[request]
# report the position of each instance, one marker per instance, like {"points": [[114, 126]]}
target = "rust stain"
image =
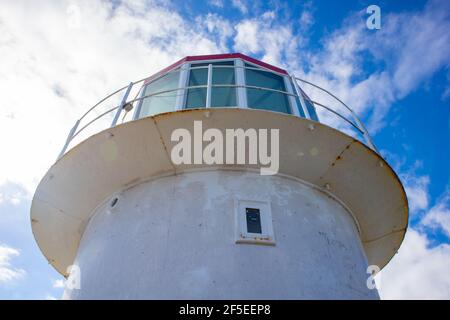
{"points": [[339, 157], [162, 141]]}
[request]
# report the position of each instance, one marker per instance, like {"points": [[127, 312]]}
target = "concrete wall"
{"points": [[174, 238]]}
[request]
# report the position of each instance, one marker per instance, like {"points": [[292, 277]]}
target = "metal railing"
{"points": [[128, 104], [358, 124]]}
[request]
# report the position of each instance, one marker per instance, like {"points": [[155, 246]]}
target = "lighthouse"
{"points": [[219, 179]]}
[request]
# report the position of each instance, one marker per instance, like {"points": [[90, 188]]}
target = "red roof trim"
{"points": [[217, 57]]}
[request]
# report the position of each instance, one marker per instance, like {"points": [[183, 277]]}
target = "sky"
{"points": [[57, 58]]}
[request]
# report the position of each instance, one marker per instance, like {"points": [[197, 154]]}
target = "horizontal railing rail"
{"points": [[128, 104], [358, 122]]}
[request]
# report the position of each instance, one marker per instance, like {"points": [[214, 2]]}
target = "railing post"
{"points": [[69, 138], [365, 132], [124, 101]]}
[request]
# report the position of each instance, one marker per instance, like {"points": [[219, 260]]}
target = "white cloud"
{"points": [[68, 54], [274, 41], [216, 3], [240, 5], [218, 28], [12, 194], [306, 20], [8, 272], [417, 271], [439, 215], [416, 188], [246, 39], [52, 69], [424, 44], [412, 46], [58, 283]]}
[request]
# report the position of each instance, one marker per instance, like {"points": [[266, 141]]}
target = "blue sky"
{"points": [[59, 57]]}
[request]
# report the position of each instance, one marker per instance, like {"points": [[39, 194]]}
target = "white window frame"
{"points": [[266, 237], [241, 91], [300, 97], [182, 84], [292, 101]]}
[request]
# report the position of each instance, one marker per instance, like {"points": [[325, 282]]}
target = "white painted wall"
{"points": [[174, 238]]}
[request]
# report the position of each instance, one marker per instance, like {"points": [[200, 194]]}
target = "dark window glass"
{"points": [[223, 96], [220, 96], [264, 99], [198, 77], [253, 217], [223, 75], [196, 97]]}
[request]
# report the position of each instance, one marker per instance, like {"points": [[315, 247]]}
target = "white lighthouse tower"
{"points": [[136, 224]]}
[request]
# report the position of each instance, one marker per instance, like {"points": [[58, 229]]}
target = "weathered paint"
{"points": [[122, 156], [173, 238]]}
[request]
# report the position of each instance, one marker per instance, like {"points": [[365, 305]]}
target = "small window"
{"points": [[254, 222]]}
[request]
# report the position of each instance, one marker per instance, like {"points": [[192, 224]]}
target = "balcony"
{"points": [[218, 81]]}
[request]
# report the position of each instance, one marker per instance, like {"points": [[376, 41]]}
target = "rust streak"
{"points": [[164, 144]]}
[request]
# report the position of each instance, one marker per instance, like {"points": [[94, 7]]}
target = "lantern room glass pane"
{"points": [[198, 77], [265, 99], [264, 79], [223, 73], [220, 96], [223, 97], [163, 102], [196, 97]]}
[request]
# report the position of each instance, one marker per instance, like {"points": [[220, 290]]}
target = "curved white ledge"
{"points": [[121, 156]]}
